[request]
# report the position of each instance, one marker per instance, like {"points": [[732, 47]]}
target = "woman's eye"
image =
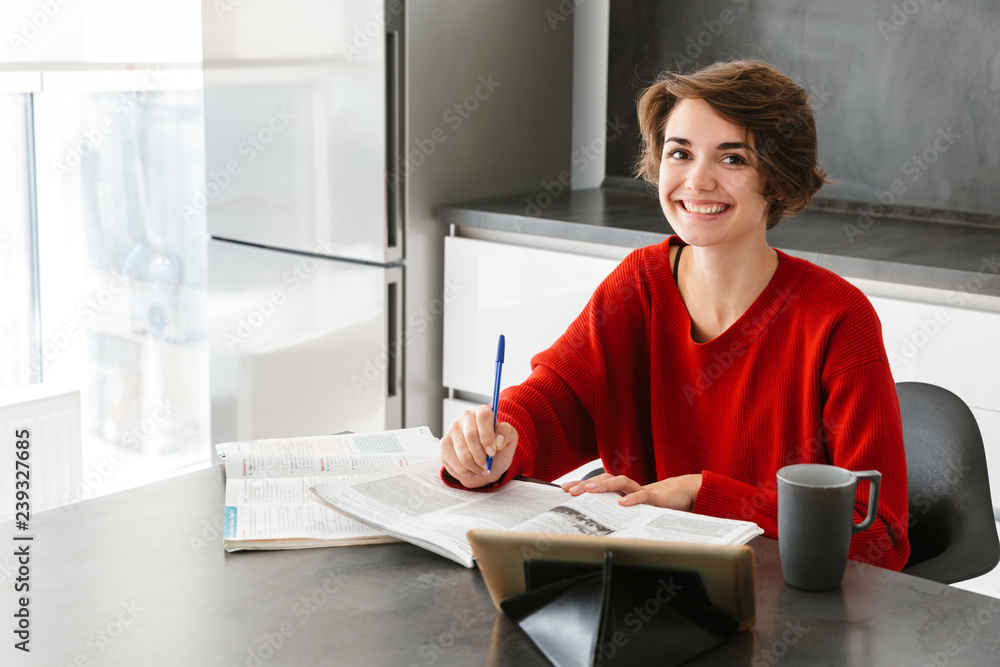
{"points": [[677, 154], [734, 159]]}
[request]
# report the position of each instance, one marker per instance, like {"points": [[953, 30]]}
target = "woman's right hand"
{"points": [[470, 440]]}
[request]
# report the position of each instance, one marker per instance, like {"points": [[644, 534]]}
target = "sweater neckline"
{"points": [[755, 319]]}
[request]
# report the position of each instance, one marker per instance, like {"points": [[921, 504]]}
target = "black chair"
{"points": [[953, 535]]}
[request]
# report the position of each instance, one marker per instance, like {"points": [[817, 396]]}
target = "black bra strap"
{"points": [[677, 261]]}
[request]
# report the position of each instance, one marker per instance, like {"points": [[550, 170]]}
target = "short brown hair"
{"points": [[758, 97]]}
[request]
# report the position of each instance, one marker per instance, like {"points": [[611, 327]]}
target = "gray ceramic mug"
{"points": [[816, 521]]}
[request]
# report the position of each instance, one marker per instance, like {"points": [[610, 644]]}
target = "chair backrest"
{"points": [[953, 534]]}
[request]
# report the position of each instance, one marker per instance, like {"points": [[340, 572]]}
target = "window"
{"points": [[103, 272], [122, 270], [18, 323]]}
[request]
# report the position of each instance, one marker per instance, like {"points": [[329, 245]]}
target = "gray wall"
{"points": [[906, 92]]}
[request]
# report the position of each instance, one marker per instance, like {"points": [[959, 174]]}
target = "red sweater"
{"points": [[801, 377]]}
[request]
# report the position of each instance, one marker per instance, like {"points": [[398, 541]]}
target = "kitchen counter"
{"points": [[908, 251], [140, 578]]}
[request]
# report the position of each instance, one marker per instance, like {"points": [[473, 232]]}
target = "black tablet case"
{"points": [[589, 614]]}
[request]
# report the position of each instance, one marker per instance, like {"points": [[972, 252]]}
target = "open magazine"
{"points": [[267, 483], [414, 505]]}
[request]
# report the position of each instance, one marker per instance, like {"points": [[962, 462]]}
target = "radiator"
{"points": [[52, 418]]}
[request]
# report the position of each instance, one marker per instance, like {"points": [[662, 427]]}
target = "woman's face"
{"points": [[708, 191]]}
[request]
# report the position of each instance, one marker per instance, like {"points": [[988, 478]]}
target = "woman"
{"points": [[703, 365]]}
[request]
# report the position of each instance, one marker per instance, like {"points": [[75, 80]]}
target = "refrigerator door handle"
{"points": [[394, 339], [394, 176]]}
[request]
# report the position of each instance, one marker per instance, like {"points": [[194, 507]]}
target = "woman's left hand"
{"points": [[676, 493]]}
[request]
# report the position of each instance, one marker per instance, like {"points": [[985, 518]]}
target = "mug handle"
{"points": [[874, 478]]}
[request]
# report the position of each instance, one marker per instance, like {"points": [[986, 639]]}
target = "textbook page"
{"points": [[414, 505], [267, 503], [600, 514]]}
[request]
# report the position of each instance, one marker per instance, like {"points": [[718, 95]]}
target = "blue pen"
{"points": [[496, 395]]}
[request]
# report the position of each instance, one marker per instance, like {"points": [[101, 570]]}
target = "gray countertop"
{"points": [[141, 578], [909, 251]]}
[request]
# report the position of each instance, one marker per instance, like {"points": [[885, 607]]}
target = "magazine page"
{"points": [[600, 514], [268, 481], [413, 504], [279, 508], [344, 454]]}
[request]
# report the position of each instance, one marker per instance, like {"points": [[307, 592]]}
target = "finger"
{"points": [[487, 436], [450, 460], [606, 482], [576, 488], [638, 498], [465, 438], [506, 436]]}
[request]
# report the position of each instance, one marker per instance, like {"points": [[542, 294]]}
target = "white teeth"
{"points": [[705, 210]]}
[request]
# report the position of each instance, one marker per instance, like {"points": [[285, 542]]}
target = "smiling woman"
{"points": [[768, 114], [695, 381]]}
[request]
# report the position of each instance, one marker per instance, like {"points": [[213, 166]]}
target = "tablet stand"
{"points": [[589, 614]]}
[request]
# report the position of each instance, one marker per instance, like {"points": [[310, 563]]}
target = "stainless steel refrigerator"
{"points": [[333, 131]]}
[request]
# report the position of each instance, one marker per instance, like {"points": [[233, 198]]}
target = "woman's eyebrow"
{"points": [[724, 146]]}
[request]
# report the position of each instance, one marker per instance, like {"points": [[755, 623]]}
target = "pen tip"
{"points": [[500, 348]]}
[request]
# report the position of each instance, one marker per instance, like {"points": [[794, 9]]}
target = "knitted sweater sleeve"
{"points": [[592, 366], [861, 430]]}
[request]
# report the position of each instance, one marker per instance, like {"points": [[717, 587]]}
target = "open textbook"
{"points": [[414, 505], [267, 482]]}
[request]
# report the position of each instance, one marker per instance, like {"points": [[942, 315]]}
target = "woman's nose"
{"points": [[700, 177]]}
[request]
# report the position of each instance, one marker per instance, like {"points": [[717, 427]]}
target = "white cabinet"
{"points": [[956, 348], [530, 295], [947, 339]]}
